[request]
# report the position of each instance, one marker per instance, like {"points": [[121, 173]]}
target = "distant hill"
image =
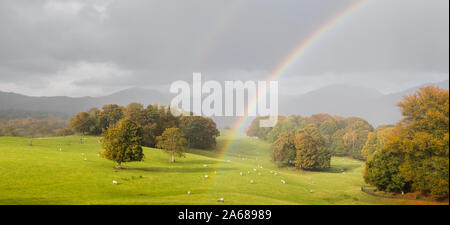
{"points": [[384, 110], [335, 99], [342, 100], [68, 106], [347, 101]]}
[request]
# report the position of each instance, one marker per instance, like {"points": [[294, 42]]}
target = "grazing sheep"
{"points": [[206, 176], [251, 182], [271, 171], [310, 191], [114, 182], [228, 160], [276, 173], [215, 172], [220, 200], [60, 149], [259, 174], [240, 173], [82, 154], [254, 169], [283, 181], [189, 192], [204, 165], [248, 172], [85, 159]]}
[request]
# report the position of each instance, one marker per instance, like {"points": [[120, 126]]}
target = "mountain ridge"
{"points": [[343, 100]]}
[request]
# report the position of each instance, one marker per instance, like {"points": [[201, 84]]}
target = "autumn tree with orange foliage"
{"points": [[419, 144], [81, 122], [312, 152]]}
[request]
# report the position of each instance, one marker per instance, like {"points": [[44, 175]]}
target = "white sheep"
{"points": [[251, 182], [204, 165], [82, 154], [220, 200], [310, 191], [206, 176], [189, 192], [283, 181], [114, 182], [254, 169], [85, 159], [259, 174], [240, 173]]}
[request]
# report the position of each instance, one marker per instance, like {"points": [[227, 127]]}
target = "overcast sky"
{"points": [[80, 48]]}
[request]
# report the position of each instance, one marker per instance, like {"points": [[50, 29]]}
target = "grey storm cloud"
{"points": [[65, 47]]}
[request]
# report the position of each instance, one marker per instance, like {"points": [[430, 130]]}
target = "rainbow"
{"points": [[285, 65]]}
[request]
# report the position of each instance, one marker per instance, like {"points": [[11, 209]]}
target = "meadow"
{"points": [[61, 170]]}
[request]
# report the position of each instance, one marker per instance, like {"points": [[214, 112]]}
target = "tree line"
{"points": [[31, 127], [124, 129], [338, 135], [412, 156], [201, 132]]}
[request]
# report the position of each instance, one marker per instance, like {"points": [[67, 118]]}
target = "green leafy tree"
{"points": [[173, 142], [110, 115], [287, 124], [150, 134], [382, 170], [123, 142], [200, 132], [256, 131], [95, 128]]}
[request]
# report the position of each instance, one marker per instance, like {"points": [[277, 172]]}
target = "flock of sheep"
{"points": [[206, 176]]}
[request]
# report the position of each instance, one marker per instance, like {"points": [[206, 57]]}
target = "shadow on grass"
{"points": [[341, 168], [177, 169], [208, 153], [195, 161], [31, 201]]}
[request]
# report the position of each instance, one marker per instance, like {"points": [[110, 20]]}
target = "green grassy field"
{"points": [[53, 171]]}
